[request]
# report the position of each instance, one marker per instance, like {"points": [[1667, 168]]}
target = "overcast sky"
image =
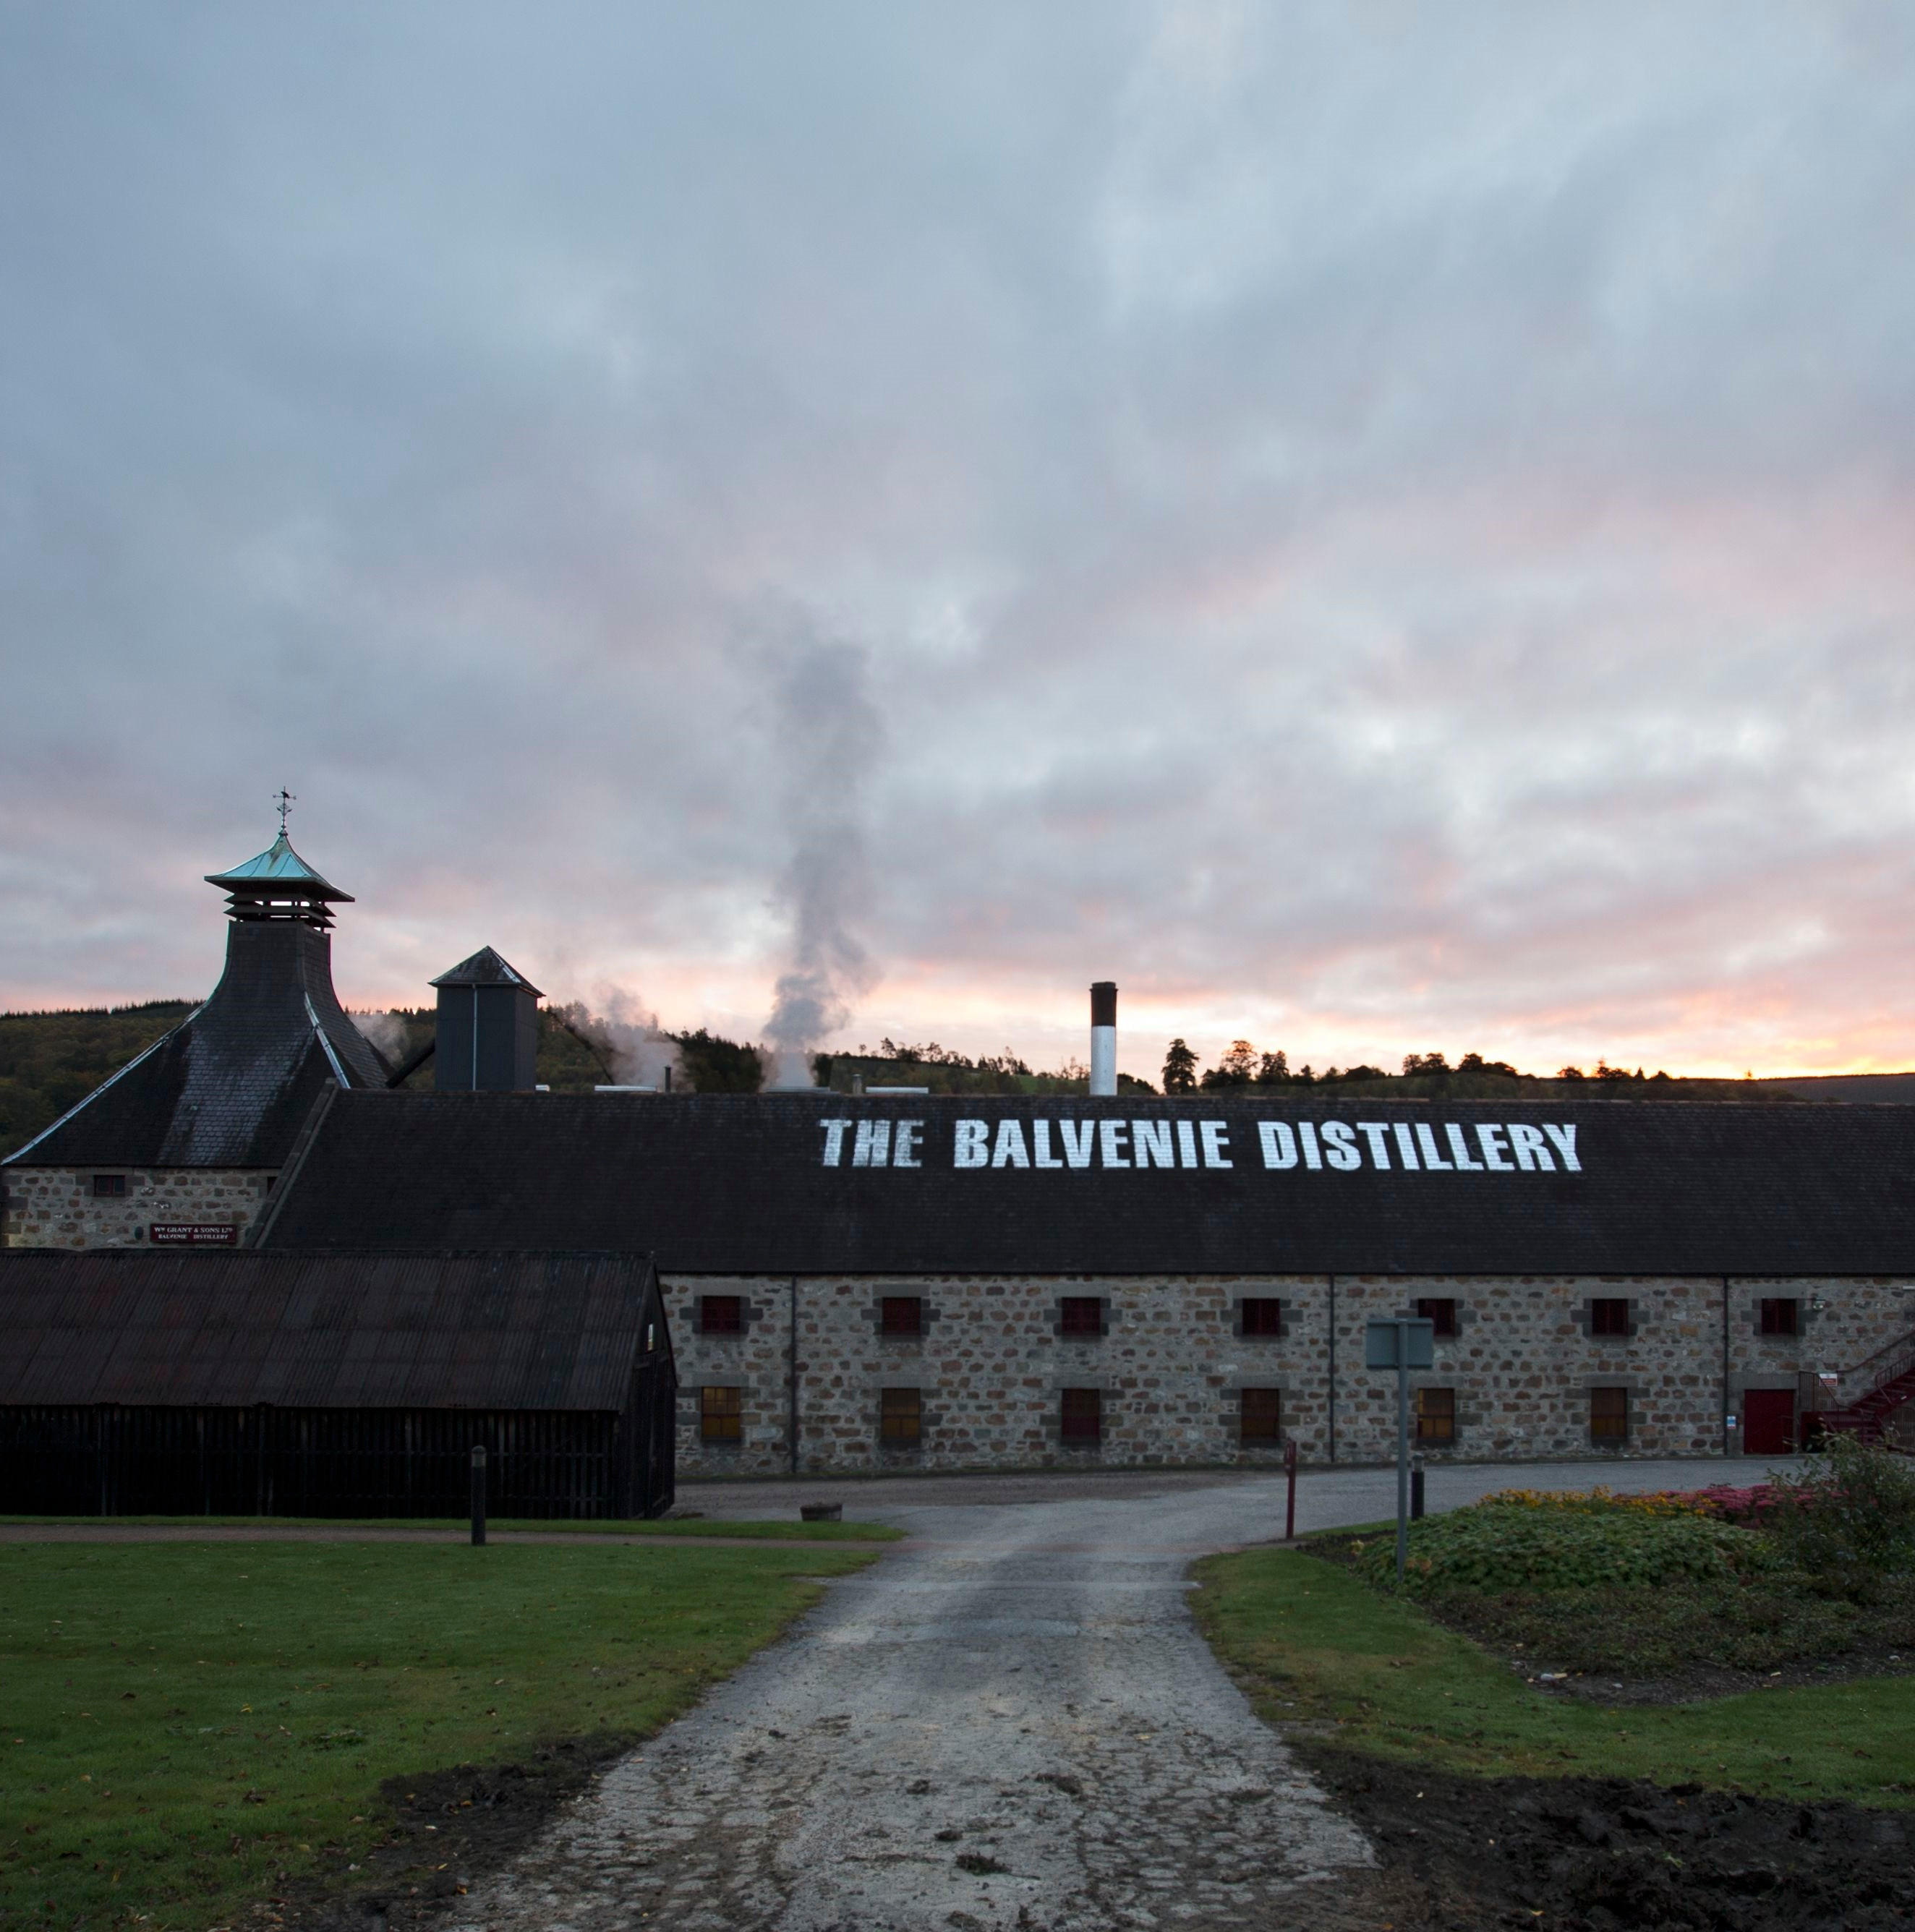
{"points": [[1379, 527]]}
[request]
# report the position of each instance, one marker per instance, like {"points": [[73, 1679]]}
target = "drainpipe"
{"points": [[1725, 1366], [1333, 1368], [792, 1375]]}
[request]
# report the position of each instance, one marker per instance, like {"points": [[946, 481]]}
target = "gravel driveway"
{"points": [[1009, 1722], [1012, 1722]]}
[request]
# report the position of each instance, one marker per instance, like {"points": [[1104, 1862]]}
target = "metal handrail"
{"points": [[1898, 1358]]}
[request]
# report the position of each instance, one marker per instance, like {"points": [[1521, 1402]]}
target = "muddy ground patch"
{"points": [[1606, 1854], [449, 1829], [1458, 1854]]}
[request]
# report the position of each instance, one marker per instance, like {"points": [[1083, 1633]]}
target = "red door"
{"points": [[1768, 1422]]}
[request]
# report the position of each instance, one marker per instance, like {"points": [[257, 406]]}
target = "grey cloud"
{"points": [[1390, 524]]}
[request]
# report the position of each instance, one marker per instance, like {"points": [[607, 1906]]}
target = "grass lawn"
{"points": [[791, 1530], [1317, 1646], [181, 1722]]}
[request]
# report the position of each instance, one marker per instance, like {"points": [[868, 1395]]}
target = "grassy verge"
{"points": [[792, 1532], [184, 1726], [1317, 1645]]}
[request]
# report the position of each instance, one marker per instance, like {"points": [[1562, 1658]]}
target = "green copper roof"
{"points": [[278, 872]]}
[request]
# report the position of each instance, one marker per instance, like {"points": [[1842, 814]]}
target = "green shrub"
{"points": [[1533, 1544], [1763, 1622], [1848, 1522]]}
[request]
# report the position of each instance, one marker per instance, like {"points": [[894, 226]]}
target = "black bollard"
{"points": [[478, 1493], [1416, 1491]]}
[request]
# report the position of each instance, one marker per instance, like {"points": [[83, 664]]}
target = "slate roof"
{"points": [[524, 1331], [231, 1085], [717, 1184], [485, 968]]}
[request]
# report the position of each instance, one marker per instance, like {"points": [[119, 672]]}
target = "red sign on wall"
{"points": [[193, 1234]]}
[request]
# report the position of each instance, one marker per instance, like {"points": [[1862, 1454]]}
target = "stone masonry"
{"points": [[59, 1208], [1173, 1360]]}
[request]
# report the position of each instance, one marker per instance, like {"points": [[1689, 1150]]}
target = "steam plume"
{"points": [[638, 1053], [828, 734], [387, 1033]]}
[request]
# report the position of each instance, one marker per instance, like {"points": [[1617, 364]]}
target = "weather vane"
{"points": [[285, 800]]}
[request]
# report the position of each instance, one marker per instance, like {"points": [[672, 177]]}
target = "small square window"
{"points": [[1436, 1415], [722, 1415], [1083, 1315], [901, 1315], [1609, 1415], [1083, 1416], [1263, 1315], [1781, 1315], [1609, 1317], [722, 1315], [1439, 1311], [901, 1418], [1262, 1415], [109, 1186]]}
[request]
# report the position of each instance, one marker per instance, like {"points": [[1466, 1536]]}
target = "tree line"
{"points": [[1241, 1065]]}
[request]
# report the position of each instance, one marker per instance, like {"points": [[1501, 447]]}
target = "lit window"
{"points": [[1609, 1317], [1262, 1415], [1781, 1315], [901, 1315], [1438, 1312], [109, 1186], [1083, 1315], [721, 1414], [1436, 1415], [1262, 1315], [722, 1315], [1609, 1415], [901, 1418], [1083, 1419]]}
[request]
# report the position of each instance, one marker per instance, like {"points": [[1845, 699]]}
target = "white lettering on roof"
{"points": [[1298, 1145]]}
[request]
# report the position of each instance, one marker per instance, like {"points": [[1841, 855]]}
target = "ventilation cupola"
{"points": [[278, 884]]}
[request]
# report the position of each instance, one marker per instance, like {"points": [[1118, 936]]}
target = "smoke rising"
{"points": [[826, 736], [637, 1052], [387, 1033]]}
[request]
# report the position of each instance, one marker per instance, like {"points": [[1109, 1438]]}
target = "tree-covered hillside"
{"points": [[48, 1061]]}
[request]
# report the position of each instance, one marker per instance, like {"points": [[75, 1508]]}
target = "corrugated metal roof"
{"points": [[776, 1184], [537, 1331]]}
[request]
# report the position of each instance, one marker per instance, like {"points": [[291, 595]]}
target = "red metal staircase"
{"points": [[1867, 1395]]}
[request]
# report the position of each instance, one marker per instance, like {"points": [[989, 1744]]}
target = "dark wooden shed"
{"points": [[346, 1384]]}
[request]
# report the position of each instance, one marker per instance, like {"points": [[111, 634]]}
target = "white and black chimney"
{"points": [[1103, 1037]]}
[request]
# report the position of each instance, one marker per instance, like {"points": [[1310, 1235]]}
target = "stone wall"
{"points": [[1174, 1359], [1841, 1324], [57, 1207]]}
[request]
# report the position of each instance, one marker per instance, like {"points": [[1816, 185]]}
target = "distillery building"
{"points": [[136, 1382], [874, 1281]]}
